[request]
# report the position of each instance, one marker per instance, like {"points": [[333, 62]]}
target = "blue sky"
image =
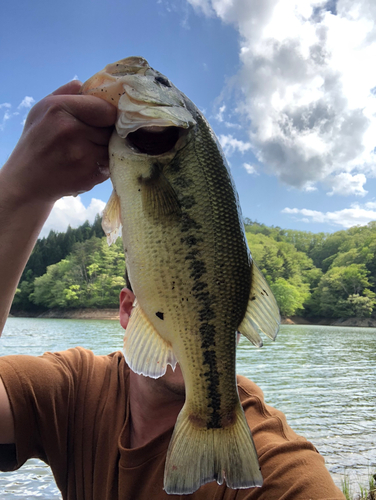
{"points": [[289, 87]]}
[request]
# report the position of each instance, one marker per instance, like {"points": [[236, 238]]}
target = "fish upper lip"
{"points": [[129, 85], [149, 104]]}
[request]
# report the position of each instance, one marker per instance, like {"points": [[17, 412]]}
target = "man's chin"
{"points": [[173, 381], [178, 389]]}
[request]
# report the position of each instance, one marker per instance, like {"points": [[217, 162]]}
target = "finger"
{"points": [[99, 135], [95, 170], [101, 175], [71, 87], [90, 110], [100, 155], [98, 159]]}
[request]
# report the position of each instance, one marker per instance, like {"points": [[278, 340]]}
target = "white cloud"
{"points": [[347, 184], [251, 169], [71, 211], [26, 102], [5, 118], [219, 115], [230, 144], [232, 125], [308, 87], [348, 217], [204, 6], [308, 187]]}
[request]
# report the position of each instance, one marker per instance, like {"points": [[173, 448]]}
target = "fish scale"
{"points": [[222, 224], [189, 266]]}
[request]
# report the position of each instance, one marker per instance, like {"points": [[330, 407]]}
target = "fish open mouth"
{"points": [[154, 141]]}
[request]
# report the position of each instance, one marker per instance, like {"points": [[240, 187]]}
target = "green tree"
{"points": [[327, 248], [360, 306], [24, 290], [92, 275], [337, 285], [290, 297], [49, 288]]}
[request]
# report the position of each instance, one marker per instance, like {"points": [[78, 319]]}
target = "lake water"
{"points": [[322, 378]]}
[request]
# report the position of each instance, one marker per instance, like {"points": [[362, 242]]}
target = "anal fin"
{"points": [[145, 351], [262, 311]]}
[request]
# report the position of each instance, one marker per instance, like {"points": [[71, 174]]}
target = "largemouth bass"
{"points": [[189, 266]]}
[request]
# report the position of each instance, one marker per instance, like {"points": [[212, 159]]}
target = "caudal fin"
{"points": [[197, 456]]}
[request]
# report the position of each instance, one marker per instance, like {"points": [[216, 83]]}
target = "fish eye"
{"points": [[163, 81]]}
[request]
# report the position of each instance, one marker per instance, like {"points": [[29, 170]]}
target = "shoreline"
{"points": [[351, 322], [99, 314], [113, 314]]}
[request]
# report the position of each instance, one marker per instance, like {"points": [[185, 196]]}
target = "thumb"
{"points": [[71, 87]]}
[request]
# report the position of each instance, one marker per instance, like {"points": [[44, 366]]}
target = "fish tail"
{"points": [[198, 455]]}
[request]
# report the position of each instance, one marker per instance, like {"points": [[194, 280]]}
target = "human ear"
{"points": [[126, 302]]}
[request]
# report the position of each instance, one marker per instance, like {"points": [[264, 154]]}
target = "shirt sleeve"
{"points": [[291, 466], [42, 392]]}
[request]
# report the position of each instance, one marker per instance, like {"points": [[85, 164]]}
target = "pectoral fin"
{"points": [[158, 196], [145, 351], [262, 311], [111, 220]]}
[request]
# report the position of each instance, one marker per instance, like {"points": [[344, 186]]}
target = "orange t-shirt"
{"points": [[71, 410]]}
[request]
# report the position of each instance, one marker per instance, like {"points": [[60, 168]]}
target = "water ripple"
{"points": [[322, 378]]}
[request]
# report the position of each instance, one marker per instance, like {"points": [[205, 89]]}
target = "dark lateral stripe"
{"points": [[199, 286], [207, 335], [212, 376], [206, 313], [207, 332], [198, 269]]}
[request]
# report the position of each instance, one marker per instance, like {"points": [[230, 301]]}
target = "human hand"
{"points": [[63, 149]]}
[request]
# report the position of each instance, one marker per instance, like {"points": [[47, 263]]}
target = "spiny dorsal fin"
{"points": [[262, 311], [111, 219], [145, 351], [158, 196]]}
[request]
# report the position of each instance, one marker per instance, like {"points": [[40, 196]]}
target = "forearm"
{"points": [[63, 150], [20, 224]]}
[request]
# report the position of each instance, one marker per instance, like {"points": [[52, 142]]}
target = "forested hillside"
{"points": [[72, 269], [318, 275], [312, 275]]}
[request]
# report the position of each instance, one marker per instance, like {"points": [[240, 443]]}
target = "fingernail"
{"points": [[79, 192], [104, 171]]}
